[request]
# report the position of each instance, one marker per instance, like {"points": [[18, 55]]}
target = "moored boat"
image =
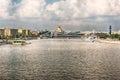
{"points": [[18, 42]]}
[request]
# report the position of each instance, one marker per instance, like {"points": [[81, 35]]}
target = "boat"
{"points": [[91, 38], [18, 42]]}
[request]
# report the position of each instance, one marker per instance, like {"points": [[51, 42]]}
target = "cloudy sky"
{"points": [[81, 15]]}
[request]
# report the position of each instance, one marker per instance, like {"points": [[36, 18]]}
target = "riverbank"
{"points": [[108, 41], [73, 40]]}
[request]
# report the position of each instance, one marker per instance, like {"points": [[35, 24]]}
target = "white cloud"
{"points": [[4, 8], [114, 7], [64, 12], [84, 8], [67, 9], [77, 12], [31, 9]]}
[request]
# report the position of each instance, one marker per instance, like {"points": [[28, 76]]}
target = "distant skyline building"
{"points": [[1, 32], [7, 32], [20, 31], [14, 32], [110, 30], [59, 29]]}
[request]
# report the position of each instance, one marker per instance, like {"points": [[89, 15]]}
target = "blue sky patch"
{"points": [[16, 1]]}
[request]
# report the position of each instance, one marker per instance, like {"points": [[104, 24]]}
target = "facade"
{"points": [[14, 32], [34, 33], [45, 34], [24, 32], [59, 33], [59, 29], [7, 32], [20, 31], [27, 32], [1, 32], [110, 30]]}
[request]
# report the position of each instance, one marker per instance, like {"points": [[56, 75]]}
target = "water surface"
{"points": [[60, 59]]}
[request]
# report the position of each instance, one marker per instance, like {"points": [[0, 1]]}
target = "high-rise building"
{"points": [[20, 31], [1, 32], [27, 32], [14, 32], [110, 30], [7, 32]]}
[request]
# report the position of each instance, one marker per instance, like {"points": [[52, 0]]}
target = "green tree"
{"points": [[103, 35]]}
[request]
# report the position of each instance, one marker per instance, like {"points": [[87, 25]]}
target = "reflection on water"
{"points": [[60, 60]]}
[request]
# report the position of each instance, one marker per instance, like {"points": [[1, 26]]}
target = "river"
{"points": [[60, 59]]}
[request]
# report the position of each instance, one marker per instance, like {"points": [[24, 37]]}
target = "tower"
{"points": [[110, 30], [59, 29]]}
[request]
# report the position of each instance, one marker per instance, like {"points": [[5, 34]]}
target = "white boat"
{"points": [[91, 39], [19, 42]]}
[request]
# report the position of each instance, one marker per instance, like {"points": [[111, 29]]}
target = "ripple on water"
{"points": [[60, 60]]}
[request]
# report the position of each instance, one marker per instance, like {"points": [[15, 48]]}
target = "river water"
{"points": [[60, 59]]}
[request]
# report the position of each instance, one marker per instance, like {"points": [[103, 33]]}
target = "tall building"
{"points": [[20, 31], [7, 32], [1, 32], [110, 30], [14, 32], [27, 32]]}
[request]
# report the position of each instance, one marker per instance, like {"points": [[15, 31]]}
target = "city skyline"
{"points": [[84, 15]]}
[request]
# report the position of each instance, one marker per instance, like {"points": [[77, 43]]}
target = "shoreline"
{"points": [[108, 41], [82, 40]]}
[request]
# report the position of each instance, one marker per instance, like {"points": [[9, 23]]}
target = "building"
{"points": [[14, 32], [35, 33], [20, 31], [7, 32], [1, 32], [59, 29], [59, 33], [24, 32], [110, 30], [27, 32], [45, 34]]}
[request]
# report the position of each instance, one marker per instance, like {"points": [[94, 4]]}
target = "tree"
{"points": [[103, 35]]}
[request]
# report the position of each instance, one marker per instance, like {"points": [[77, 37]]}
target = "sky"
{"points": [[81, 15]]}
